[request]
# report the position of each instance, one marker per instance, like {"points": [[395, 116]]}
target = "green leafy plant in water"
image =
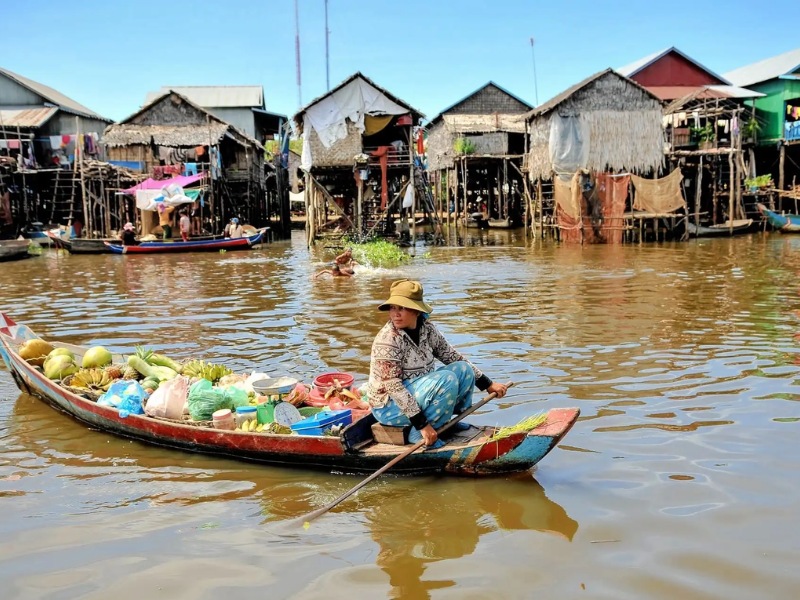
{"points": [[379, 253]]}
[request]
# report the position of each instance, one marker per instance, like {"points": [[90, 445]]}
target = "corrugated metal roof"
{"points": [[53, 96], [732, 91], [636, 66], [26, 117], [766, 69], [216, 96]]}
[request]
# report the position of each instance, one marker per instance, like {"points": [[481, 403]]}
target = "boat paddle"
{"points": [[306, 520]]}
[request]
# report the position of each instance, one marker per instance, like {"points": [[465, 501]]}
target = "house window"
{"points": [[791, 122]]}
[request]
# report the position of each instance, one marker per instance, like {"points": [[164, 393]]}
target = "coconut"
{"points": [[35, 351], [60, 352], [59, 367], [96, 357]]}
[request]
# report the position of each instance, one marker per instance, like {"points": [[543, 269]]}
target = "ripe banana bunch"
{"points": [[204, 370], [91, 379], [251, 425]]}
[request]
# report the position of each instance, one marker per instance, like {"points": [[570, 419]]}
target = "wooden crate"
{"points": [[386, 434]]}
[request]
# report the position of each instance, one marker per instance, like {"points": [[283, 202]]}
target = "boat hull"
{"points": [[243, 243], [737, 227], [471, 453], [13, 249], [783, 223]]}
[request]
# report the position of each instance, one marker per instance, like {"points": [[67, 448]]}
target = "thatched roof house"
{"points": [[605, 122], [171, 121], [352, 118], [492, 118]]}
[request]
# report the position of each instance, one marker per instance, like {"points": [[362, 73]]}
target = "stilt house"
{"points": [[475, 149], [358, 155]]}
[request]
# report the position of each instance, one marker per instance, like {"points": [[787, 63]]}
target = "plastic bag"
{"points": [[126, 396], [169, 399], [204, 399]]}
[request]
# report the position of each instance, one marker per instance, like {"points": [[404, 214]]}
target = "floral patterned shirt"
{"points": [[396, 358]]}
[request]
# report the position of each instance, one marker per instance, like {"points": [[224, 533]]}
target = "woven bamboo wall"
{"points": [[341, 153]]}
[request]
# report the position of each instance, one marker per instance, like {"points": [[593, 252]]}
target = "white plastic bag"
{"points": [[408, 198], [169, 399]]}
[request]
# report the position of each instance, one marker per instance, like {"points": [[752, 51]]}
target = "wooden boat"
{"points": [[785, 223], [13, 249], [727, 228], [242, 243], [81, 245], [98, 246], [471, 452]]}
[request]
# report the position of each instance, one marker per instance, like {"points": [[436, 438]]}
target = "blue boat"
{"points": [[784, 223], [242, 243]]}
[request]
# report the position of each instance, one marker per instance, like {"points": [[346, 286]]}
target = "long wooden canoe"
{"points": [[472, 452], [722, 229], [785, 223], [242, 243]]}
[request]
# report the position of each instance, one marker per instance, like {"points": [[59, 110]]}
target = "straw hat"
{"points": [[408, 294]]}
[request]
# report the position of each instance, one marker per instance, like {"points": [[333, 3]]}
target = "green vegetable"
{"points": [[152, 371], [164, 361]]}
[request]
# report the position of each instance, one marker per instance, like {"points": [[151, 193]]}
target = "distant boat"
{"points": [[784, 223], [14, 249], [727, 228], [242, 243]]}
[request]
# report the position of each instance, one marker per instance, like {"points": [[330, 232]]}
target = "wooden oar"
{"points": [[321, 511]]}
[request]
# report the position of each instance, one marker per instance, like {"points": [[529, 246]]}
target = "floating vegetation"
{"points": [[524, 426]]}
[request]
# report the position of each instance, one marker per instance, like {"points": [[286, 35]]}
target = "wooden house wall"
{"points": [[672, 69], [495, 142], [489, 100]]}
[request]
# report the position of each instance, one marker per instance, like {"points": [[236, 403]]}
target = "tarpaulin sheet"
{"points": [[157, 184]]}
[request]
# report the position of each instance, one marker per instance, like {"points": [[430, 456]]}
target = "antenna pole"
{"points": [[327, 55], [297, 53], [535, 82]]}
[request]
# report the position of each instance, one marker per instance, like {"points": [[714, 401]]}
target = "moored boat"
{"points": [[727, 228], [242, 243], [475, 451], [14, 249], [785, 223]]}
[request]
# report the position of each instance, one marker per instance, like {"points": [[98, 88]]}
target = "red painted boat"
{"points": [[472, 452]]}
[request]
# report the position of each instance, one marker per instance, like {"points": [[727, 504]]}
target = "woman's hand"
{"points": [[429, 434], [497, 388]]}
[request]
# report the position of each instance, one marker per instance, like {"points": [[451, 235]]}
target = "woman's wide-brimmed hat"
{"points": [[128, 227], [408, 294]]}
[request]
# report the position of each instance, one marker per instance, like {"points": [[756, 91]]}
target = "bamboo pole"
{"points": [[540, 201], [697, 191], [781, 175], [731, 193]]}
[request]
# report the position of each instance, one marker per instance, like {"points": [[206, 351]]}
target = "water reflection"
{"points": [[422, 522]]}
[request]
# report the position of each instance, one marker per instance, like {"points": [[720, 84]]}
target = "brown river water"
{"points": [[679, 480]]}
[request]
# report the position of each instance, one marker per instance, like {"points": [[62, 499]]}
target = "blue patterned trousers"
{"points": [[440, 394]]}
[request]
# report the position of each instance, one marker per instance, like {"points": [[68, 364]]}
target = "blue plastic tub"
{"points": [[318, 423]]}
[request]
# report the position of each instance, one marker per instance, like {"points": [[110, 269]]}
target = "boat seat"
{"points": [[386, 434]]}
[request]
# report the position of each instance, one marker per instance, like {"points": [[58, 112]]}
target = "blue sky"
{"points": [[108, 54]]}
